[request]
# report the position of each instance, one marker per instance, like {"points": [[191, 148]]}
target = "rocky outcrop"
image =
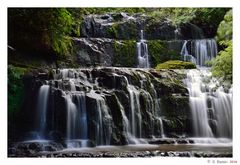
{"points": [[115, 25], [110, 39], [126, 26], [94, 51], [123, 53], [120, 104]]}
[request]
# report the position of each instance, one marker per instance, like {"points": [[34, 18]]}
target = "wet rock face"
{"points": [[109, 106], [94, 51], [118, 26]]}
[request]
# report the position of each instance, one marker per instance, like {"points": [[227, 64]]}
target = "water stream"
{"points": [[142, 52]]}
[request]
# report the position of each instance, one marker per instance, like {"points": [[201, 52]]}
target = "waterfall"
{"points": [[84, 114], [142, 51], [136, 119], [202, 50], [201, 90], [104, 129], [76, 116], [185, 55], [71, 118], [42, 105], [198, 104], [126, 126], [82, 128], [223, 109]]}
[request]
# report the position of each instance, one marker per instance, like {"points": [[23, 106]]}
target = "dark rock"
{"points": [[56, 136], [49, 148], [123, 26], [35, 146], [182, 141]]}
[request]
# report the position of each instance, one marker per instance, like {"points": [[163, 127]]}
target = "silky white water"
{"points": [[209, 104], [42, 106], [142, 52], [199, 51]]}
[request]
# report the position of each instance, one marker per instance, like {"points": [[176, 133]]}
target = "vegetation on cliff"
{"points": [[15, 89], [48, 30], [222, 64], [40, 31]]}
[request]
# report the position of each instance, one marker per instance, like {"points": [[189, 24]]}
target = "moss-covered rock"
{"points": [[159, 52], [125, 53], [122, 30], [175, 64]]}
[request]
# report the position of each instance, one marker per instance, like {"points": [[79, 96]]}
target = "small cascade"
{"points": [[42, 106], [71, 118], [209, 104], [198, 104], [76, 116], [185, 55], [104, 127], [202, 50], [126, 126], [81, 127], [136, 119], [142, 52], [223, 106]]}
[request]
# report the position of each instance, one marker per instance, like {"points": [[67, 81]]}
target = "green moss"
{"points": [[113, 30], [131, 31], [15, 89], [123, 30], [125, 53], [159, 52], [176, 64]]}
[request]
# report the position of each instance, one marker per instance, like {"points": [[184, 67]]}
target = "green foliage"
{"points": [[212, 16], [125, 53], [207, 18], [38, 29], [222, 64], [60, 27], [175, 15], [112, 30], [15, 89], [159, 52], [175, 64], [224, 31]]}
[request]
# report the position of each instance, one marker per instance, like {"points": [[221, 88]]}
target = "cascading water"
{"points": [[185, 55], [92, 120], [76, 119], [222, 103], [42, 106], [202, 50], [103, 130], [198, 104], [142, 52], [209, 104], [136, 119], [89, 118]]}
